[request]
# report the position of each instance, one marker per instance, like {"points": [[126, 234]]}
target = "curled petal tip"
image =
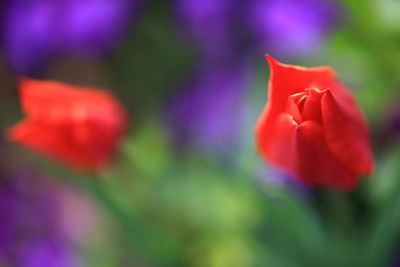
{"points": [[270, 59], [273, 63]]}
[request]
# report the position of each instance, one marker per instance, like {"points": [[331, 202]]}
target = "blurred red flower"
{"points": [[80, 126], [313, 128]]}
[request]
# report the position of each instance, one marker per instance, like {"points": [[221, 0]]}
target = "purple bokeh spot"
{"points": [[292, 27], [208, 22], [47, 253], [284, 27], [31, 232], [208, 112], [36, 31]]}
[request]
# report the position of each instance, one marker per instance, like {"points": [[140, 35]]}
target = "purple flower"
{"points": [[47, 253], [31, 234], [285, 27], [34, 31], [209, 23], [291, 27], [208, 112]]}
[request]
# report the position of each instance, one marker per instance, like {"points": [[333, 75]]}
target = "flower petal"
{"points": [[78, 125], [42, 97], [293, 110], [282, 151], [46, 139], [346, 137], [286, 80], [312, 106], [317, 166]]}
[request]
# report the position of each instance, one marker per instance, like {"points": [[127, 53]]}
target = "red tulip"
{"points": [[77, 125], [313, 128]]}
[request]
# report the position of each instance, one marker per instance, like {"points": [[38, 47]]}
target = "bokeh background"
{"points": [[188, 188]]}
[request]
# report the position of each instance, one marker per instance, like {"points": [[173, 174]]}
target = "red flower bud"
{"points": [[313, 128], [77, 125]]}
